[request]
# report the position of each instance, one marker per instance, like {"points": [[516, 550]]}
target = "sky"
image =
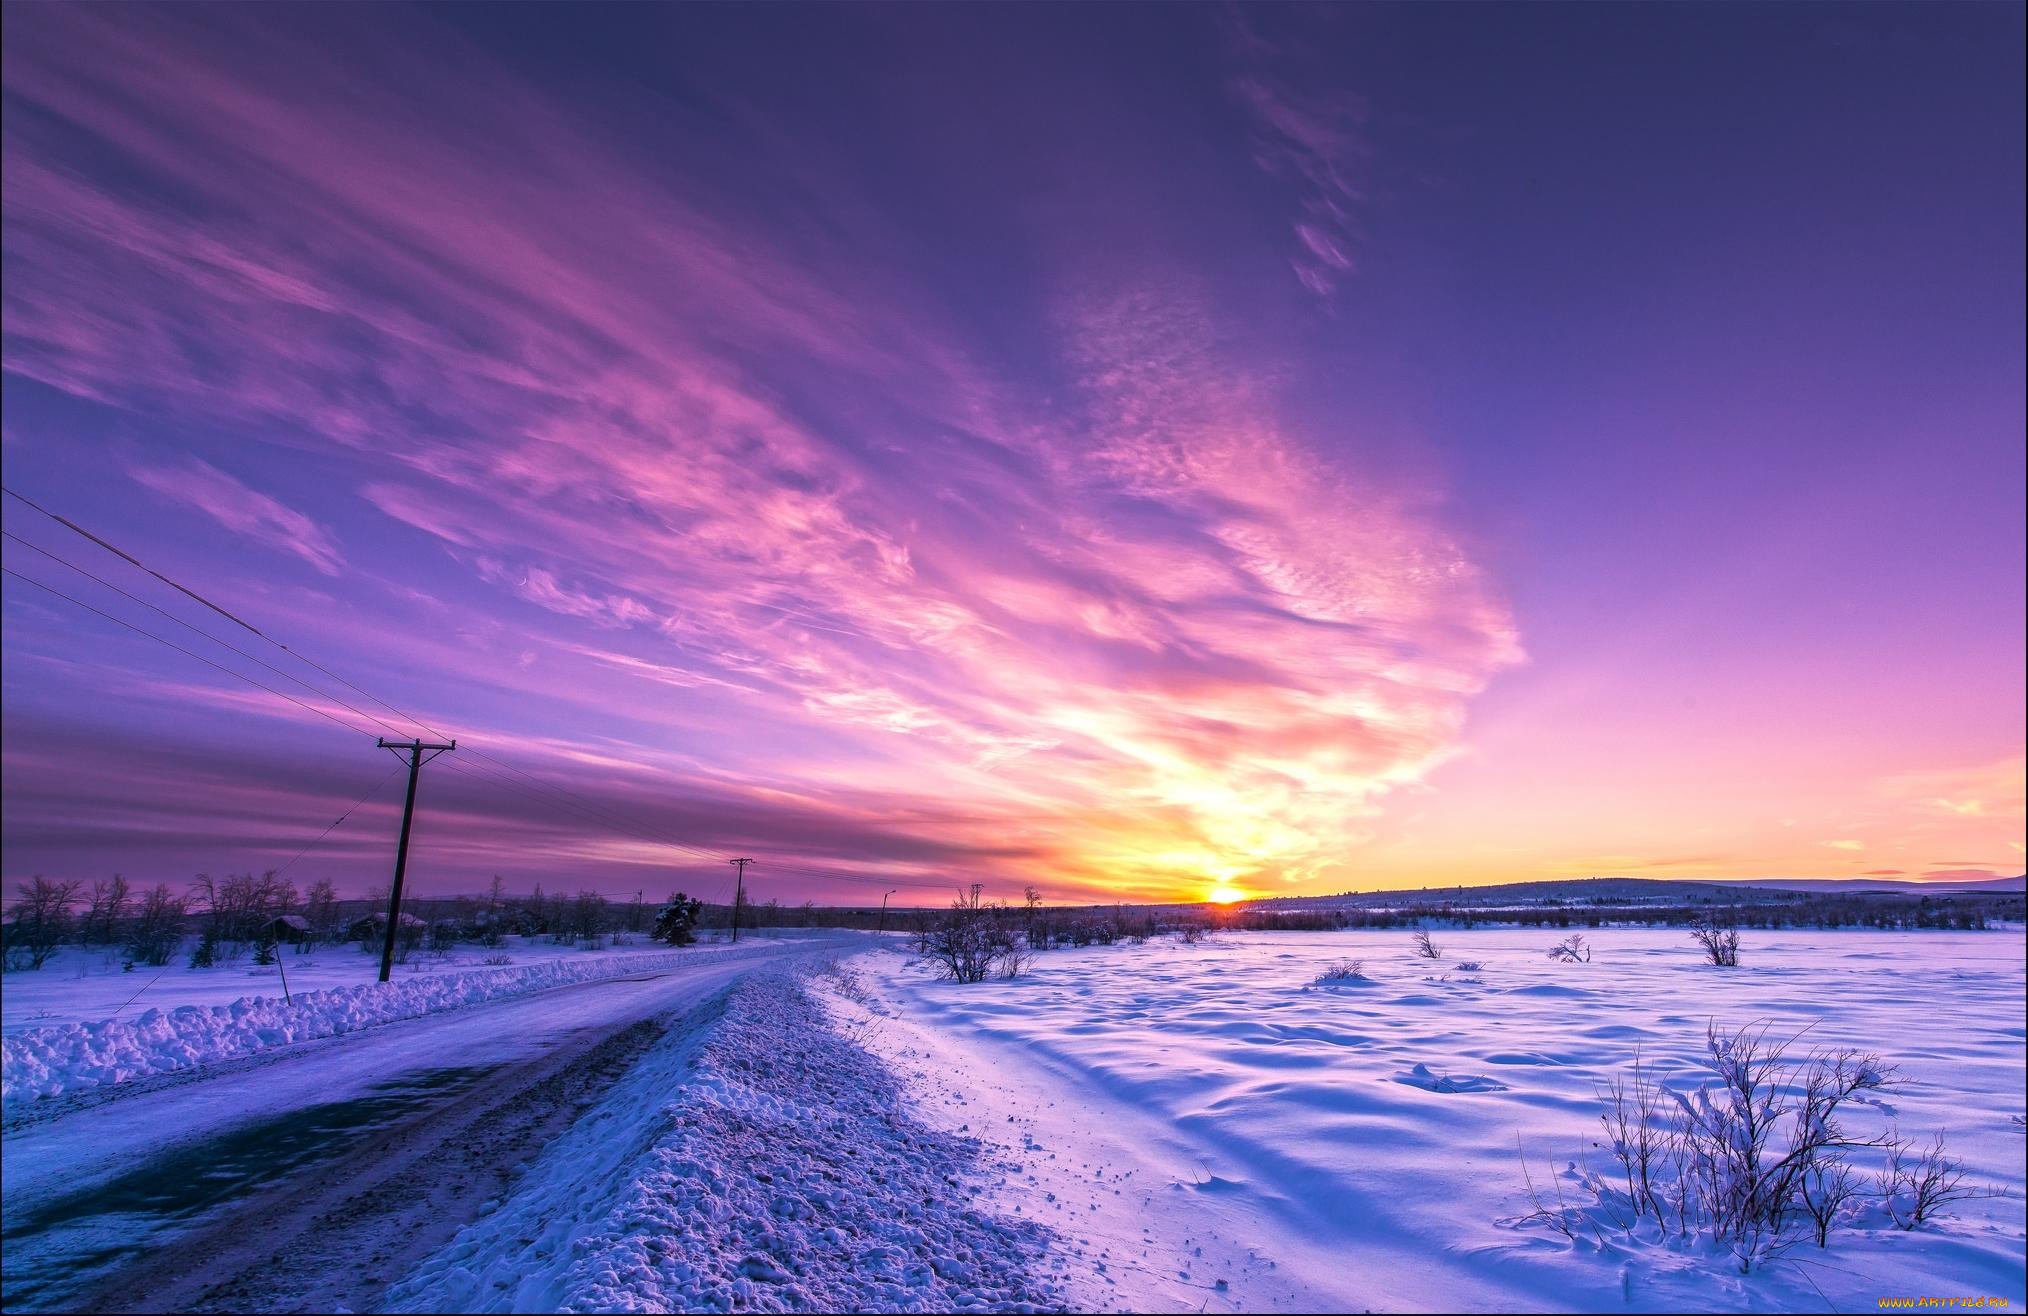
{"points": [[1144, 452]]}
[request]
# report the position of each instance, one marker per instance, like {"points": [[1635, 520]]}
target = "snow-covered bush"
{"points": [[676, 921], [1342, 971]]}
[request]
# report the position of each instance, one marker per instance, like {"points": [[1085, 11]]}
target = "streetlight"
{"points": [[883, 910]]}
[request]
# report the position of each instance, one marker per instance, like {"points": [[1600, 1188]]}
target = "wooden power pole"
{"points": [[414, 749], [738, 893]]}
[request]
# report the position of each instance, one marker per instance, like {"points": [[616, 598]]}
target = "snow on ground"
{"points": [[50, 1060], [1206, 1129], [82, 985], [764, 1163]]}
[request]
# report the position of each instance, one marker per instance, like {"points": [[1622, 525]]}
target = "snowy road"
{"points": [[308, 1179]]}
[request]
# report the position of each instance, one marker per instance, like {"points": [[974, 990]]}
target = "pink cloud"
{"points": [[1142, 635]]}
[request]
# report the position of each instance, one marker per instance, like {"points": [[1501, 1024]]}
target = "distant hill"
{"points": [[1634, 891], [1866, 884]]}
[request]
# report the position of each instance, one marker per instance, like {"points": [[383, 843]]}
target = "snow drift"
{"points": [[65, 1058]]}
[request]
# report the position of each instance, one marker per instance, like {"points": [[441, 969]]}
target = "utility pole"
{"points": [[738, 893], [414, 749], [883, 910]]}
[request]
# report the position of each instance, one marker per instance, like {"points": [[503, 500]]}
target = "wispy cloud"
{"points": [[242, 510], [1997, 790], [1310, 139]]}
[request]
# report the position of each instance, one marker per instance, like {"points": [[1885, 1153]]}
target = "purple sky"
{"points": [[1126, 449]]}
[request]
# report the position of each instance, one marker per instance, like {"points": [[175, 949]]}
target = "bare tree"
{"points": [[320, 911], [39, 921], [157, 929], [588, 920], [1425, 947], [104, 908], [239, 906]]}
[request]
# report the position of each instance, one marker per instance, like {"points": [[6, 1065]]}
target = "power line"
{"points": [[493, 779], [142, 630], [874, 881], [286, 676], [492, 774], [72, 525], [371, 791], [571, 798]]}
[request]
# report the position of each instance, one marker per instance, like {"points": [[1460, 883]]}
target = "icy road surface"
{"points": [[312, 1177]]}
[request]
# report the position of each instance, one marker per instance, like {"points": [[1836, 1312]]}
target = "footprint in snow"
{"points": [[1421, 1077]]}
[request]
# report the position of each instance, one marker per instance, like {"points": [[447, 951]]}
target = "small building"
{"points": [[286, 929], [375, 925]]}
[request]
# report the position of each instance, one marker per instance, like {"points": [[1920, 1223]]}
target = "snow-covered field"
{"points": [[197, 1017], [1209, 1130]]}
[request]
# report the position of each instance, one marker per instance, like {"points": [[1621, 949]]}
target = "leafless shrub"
{"points": [[1468, 966], [1751, 1160], [1637, 1135], [1828, 1192], [1425, 947], [1571, 950], [1016, 959], [1563, 1219], [1749, 1190], [1342, 971], [1916, 1184], [1720, 939], [968, 941]]}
